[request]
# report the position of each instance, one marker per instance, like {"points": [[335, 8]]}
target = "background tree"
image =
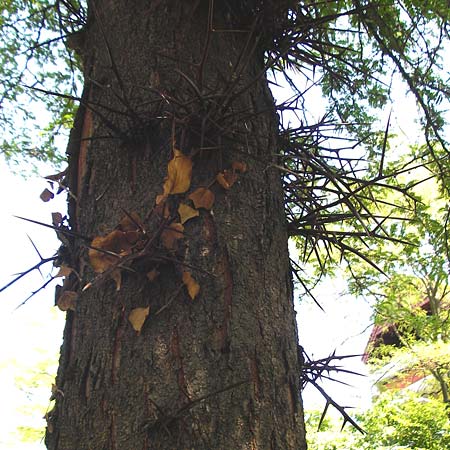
{"points": [[168, 344], [407, 421], [410, 286]]}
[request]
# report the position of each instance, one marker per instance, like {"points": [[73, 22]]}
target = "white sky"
{"points": [[35, 328]]}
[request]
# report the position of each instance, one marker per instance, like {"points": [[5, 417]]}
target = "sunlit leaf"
{"points": [[137, 318], [186, 213], [179, 173], [226, 178], [202, 198], [192, 286]]}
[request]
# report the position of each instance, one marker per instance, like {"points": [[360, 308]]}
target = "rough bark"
{"points": [[220, 371]]}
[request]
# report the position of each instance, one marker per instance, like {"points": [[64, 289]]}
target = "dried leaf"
{"points": [[239, 166], [137, 318], [170, 236], [161, 198], [152, 275], [57, 219], [57, 176], [116, 275], [226, 178], [64, 271], [202, 198], [160, 206], [186, 213], [131, 222], [179, 173], [67, 300], [46, 195], [117, 242], [49, 421], [192, 286], [55, 392]]}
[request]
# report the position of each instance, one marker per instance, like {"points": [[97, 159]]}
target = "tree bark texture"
{"points": [[220, 371]]}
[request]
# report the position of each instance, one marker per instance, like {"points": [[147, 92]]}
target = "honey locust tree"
{"points": [[184, 186]]}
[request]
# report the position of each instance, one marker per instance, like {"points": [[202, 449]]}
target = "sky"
{"points": [[32, 333]]}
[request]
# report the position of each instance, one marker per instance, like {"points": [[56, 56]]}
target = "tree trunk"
{"points": [[219, 371]]}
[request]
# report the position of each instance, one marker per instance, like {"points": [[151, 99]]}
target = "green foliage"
{"points": [[404, 421], [408, 422], [34, 63], [330, 436]]}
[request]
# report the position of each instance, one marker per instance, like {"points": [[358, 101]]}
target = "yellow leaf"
{"points": [[171, 234], [179, 173], [192, 286], [186, 213], [226, 178], [152, 275], [67, 300], [239, 166], [137, 318], [202, 198]]}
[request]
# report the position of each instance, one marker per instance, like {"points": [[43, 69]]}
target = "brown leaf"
{"points": [[116, 242], [170, 236], [57, 219], [116, 275], [57, 176], [202, 198], [49, 420], [161, 198], [67, 300], [160, 206], [46, 195], [152, 275], [179, 173], [64, 271], [137, 318], [226, 178], [186, 213], [131, 222], [239, 166], [192, 286]]}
